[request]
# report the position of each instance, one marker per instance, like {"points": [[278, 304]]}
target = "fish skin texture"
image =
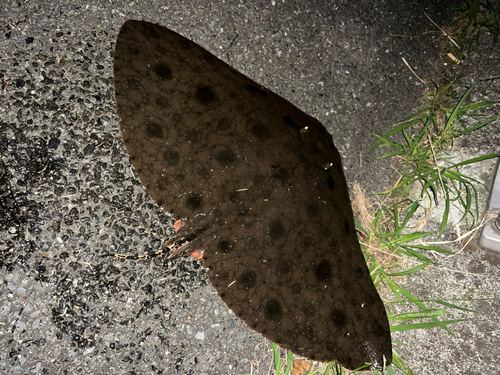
{"points": [[260, 187]]}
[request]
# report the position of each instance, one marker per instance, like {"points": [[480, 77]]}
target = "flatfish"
{"points": [[259, 187]]}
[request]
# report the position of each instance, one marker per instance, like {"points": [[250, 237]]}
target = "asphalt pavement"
{"points": [[68, 192]]}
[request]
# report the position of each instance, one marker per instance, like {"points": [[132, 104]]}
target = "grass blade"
{"points": [[398, 362], [428, 313], [475, 160], [396, 289], [277, 359], [475, 127], [433, 248], [411, 326], [289, 361], [411, 237], [397, 129], [456, 307], [407, 250], [411, 270], [445, 214], [454, 113]]}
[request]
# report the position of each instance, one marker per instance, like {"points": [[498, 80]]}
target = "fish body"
{"points": [[259, 187]]}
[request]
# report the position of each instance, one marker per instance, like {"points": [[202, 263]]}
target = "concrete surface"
{"points": [[67, 191]]}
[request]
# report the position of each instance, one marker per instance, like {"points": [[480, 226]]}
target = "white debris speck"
{"points": [[20, 326], [88, 351], [200, 336]]}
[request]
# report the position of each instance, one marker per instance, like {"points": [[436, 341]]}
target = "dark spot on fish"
{"points": [[205, 95], [154, 130], [323, 271], [289, 121], [377, 328], [273, 310], [338, 318], [171, 157], [259, 131], [312, 209], [163, 71], [330, 182], [194, 201], [248, 279], [234, 197], [224, 246], [276, 230], [225, 157]]}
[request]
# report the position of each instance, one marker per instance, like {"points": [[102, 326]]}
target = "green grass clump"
{"points": [[424, 153], [477, 18]]}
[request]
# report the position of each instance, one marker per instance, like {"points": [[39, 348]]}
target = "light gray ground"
{"points": [[68, 193]]}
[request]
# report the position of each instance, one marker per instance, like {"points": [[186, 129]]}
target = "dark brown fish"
{"points": [[260, 187]]}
